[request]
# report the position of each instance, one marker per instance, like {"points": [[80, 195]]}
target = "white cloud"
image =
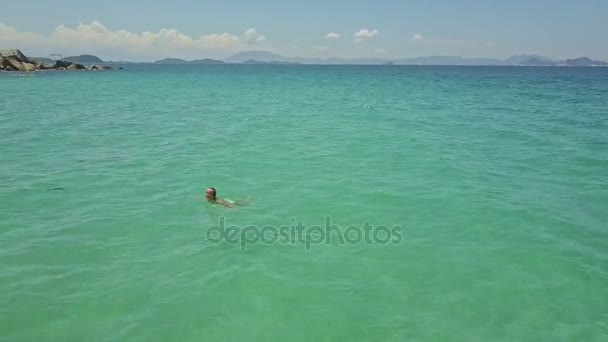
{"points": [[252, 36], [96, 38], [333, 35], [10, 37], [417, 37], [381, 51], [321, 48], [365, 34], [97, 34]]}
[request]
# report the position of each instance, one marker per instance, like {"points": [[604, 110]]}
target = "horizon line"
{"points": [[322, 59]]}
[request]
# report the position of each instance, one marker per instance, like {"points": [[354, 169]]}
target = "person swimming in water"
{"points": [[211, 196]]}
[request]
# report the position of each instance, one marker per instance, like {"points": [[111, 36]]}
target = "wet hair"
{"points": [[214, 193]]}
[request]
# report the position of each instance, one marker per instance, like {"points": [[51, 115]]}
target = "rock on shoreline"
{"points": [[15, 60]]}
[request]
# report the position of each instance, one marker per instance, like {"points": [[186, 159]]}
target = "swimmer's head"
{"points": [[210, 194]]}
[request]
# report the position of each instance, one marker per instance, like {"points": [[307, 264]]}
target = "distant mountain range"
{"points": [[82, 59], [271, 57], [43, 60], [582, 61], [267, 57], [253, 61], [181, 61], [520, 59]]}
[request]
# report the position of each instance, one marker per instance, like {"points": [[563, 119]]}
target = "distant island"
{"points": [[267, 57], [83, 59], [576, 62], [215, 61], [253, 61], [538, 62], [181, 61], [583, 61], [43, 60], [15, 60], [264, 57], [171, 61], [206, 61]]}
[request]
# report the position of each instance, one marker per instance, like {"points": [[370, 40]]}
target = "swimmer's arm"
{"points": [[244, 202], [224, 203]]}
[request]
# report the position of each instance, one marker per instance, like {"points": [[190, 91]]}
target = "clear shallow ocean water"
{"points": [[497, 176]]}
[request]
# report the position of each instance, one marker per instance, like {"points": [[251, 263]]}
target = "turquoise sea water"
{"points": [[496, 176]]}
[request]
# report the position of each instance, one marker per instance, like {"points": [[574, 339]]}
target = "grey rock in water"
{"points": [[10, 64], [15, 60], [61, 64], [15, 54], [101, 67], [8, 67], [76, 66], [27, 67]]}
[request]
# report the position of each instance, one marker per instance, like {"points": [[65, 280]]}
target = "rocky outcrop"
{"points": [[16, 54], [9, 67], [10, 63], [101, 67], [61, 64], [15, 60], [28, 67], [76, 66]]}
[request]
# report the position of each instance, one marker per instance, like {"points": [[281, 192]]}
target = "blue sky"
{"points": [[148, 30]]}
